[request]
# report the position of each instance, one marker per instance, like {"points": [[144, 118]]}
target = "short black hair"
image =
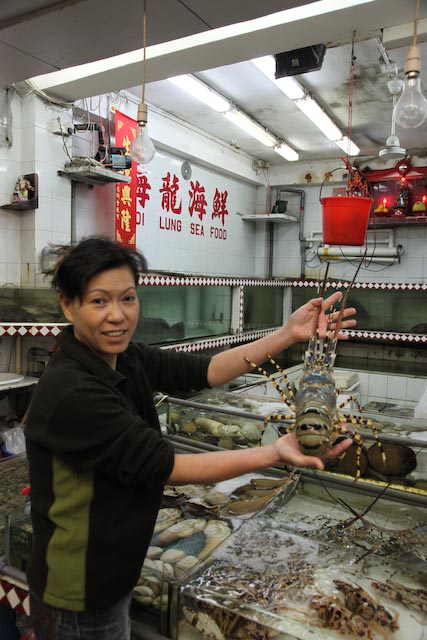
{"points": [[80, 262]]}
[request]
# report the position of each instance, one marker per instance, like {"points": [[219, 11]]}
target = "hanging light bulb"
{"points": [[411, 108], [142, 149]]}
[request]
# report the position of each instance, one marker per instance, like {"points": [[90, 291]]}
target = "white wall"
{"points": [[244, 249], [72, 210], [25, 233]]}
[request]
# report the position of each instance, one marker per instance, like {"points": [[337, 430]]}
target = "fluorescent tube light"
{"points": [[348, 146], [251, 127], [205, 94], [288, 85], [202, 92], [286, 152], [319, 118]]}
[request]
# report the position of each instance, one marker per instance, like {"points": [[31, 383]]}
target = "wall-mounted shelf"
{"points": [[25, 205], [26, 194], [93, 174], [397, 221], [268, 217]]}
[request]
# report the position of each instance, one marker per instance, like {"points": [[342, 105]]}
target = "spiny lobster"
{"points": [[316, 418]]}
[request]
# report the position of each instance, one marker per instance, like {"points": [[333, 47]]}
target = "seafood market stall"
{"points": [[326, 564], [284, 554], [343, 557], [198, 520], [192, 522]]}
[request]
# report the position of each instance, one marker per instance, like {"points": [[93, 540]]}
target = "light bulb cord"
{"points": [[417, 10], [144, 40], [350, 99]]}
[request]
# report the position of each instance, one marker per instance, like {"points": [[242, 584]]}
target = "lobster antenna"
{"points": [[323, 285], [321, 293], [347, 294]]}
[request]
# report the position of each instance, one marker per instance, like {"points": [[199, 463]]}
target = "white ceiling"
{"points": [[42, 36]]}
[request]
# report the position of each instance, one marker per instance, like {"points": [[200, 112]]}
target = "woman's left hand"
{"points": [[313, 315]]}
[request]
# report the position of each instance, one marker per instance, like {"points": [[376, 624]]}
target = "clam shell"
{"points": [[186, 563], [154, 552], [215, 532], [179, 530], [214, 497], [159, 566], [144, 595], [175, 532], [165, 518], [172, 555], [151, 581]]}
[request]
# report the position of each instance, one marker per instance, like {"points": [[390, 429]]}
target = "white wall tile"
{"points": [[415, 389], [27, 245], [61, 216], [396, 388], [13, 273], [3, 274]]}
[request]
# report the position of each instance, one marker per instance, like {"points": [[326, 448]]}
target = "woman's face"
{"points": [[106, 318]]}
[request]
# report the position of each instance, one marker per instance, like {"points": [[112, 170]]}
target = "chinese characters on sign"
{"points": [[206, 216], [125, 219], [198, 208]]}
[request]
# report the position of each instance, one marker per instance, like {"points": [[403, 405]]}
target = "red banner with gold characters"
{"points": [[125, 225]]}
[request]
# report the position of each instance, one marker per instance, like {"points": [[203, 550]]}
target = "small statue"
{"points": [[402, 205], [22, 188]]}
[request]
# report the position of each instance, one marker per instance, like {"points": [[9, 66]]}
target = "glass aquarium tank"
{"points": [[173, 314], [379, 309], [326, 564], [29, 305], [262, 307]]}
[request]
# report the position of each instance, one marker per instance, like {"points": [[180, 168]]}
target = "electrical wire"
{"points": [[44, 96]]}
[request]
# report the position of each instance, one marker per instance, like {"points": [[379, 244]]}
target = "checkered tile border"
{"points": [[15, 329], [202, 281], [375, 286]]}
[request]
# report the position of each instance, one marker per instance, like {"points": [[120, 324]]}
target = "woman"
{"points": [[97, 459]]}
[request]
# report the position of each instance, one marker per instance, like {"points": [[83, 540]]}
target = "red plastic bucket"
{"points": [[345, 219]]}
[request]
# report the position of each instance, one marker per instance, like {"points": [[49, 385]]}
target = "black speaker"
{"points": [[292, 63]]}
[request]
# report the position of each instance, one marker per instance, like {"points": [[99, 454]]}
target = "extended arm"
{"points": [[204, 468], [215, 466]]}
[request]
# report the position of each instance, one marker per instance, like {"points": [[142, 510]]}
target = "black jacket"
{"points": [[97, 464]]}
